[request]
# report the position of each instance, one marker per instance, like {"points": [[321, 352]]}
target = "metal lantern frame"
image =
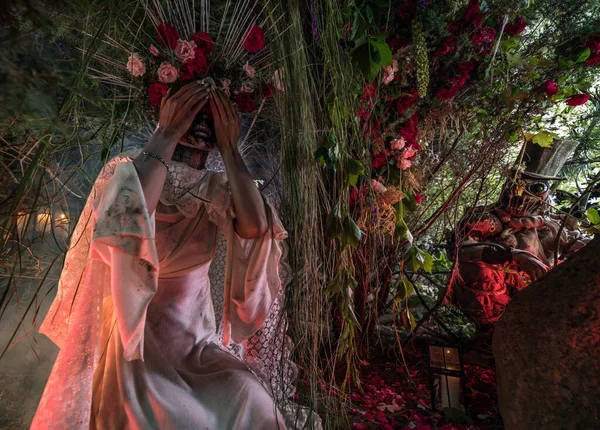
{"points": [[445, 372]]}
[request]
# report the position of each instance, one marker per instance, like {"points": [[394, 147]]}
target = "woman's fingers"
{"points": [[199, 105], [191, 92], [194, 99], [165, 98], [219, 105]]}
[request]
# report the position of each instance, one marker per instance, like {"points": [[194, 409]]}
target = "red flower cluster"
{"points": [[516, 26], [203, 41], [255, 40], [549, 87], [267, 91], [483, 39], [244, 102], [473, 15], [578, 99], [156, 92], [448, 47], [406, 101], [593, 43], [167, 35], [410, 131], [198, 65], [456, 82]]}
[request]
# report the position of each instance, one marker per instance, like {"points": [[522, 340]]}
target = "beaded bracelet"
{"points": [[157, 157]]}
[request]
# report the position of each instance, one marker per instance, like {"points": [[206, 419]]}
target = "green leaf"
{"points": [[512, 137], [405, 289], [544, 139], [352, 233], [593, 216], [355, 169], [585, 54], [368, 12], [384, 50]]}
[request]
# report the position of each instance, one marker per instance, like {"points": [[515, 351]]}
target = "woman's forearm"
{"points": [[152, 172], [251, 217]]}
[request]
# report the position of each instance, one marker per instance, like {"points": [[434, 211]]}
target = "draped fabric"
{"points": [[134, 318]]}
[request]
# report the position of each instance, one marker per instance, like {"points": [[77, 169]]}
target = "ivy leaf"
{"points": [[405, 289], [544, 138], [380, 45], [355, 169], [593, 216], [334, 223], [585, 54], [411, 319]]}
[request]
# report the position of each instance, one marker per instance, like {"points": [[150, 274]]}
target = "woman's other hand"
{"points": [[178, 111], [228, 127]]}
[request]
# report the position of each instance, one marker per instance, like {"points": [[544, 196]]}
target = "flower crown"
{"points": [[177, 61]]}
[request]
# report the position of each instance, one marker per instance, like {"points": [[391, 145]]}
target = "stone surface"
{"points": [[547, 349]]}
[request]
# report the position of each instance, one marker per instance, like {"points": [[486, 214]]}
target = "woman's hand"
{"points": [[228, 127], [178, 111]]}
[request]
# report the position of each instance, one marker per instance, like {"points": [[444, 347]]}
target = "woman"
{"points": [[133, 316]]}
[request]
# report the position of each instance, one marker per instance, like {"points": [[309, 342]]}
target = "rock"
{"points": [[547, 349]]}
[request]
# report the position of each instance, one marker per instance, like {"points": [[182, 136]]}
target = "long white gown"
{"points": [[134, 318]]}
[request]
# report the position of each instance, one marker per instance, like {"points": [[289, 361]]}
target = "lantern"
{"points": [[446, 378]]}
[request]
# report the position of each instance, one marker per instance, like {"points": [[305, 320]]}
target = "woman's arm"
{"points": [[176, 116], [251, 221]]}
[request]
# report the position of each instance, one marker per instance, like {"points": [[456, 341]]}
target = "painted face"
{"points": [[201, 134], [525, 196]]}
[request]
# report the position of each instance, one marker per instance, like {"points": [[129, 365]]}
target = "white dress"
{"points": [[134, 318]]}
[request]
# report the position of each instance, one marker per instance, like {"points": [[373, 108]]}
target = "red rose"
{"points": [[578, 99], [167, 35], [267, 91], [447, 47], [156, 92], [255, 39], [410, 131], [549, 87], [454, 27], [193, 67], [379, 161], [466, 67], [244, 102], [369, 92], [446, 93], [472, 14], [406, 101], [406, 11], [515, 27], [418, 199], [203, 41], [484, 36], [593, 43]]}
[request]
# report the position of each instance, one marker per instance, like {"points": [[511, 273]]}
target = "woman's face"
{"points": [[201, 134]]}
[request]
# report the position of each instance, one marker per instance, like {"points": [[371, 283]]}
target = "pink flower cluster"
{"points": [[192, 61]]}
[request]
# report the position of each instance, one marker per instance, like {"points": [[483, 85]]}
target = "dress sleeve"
{"points": [[251, 269], [123, 239]]}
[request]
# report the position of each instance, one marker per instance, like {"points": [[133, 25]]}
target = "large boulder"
{"points": [[547, 349]]}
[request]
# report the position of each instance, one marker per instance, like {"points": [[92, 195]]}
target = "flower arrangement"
{"points": [[175, 58]]}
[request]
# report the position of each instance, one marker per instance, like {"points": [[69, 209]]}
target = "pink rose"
{"points": [[136, 66], [250, 71], [378, 187], [389, 72], [578, 99], [225, 83], [166, 73], [404, 163], [154, 51], [409, 153], [185, 51], [398, 144]]}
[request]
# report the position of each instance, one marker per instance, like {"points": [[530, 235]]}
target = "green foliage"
{"points": [[342, 228]]}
